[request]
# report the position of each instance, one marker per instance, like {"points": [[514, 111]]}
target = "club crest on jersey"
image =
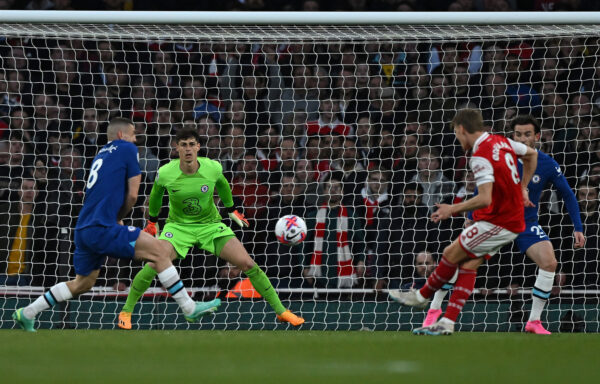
{"points": [[535, 178], [169, 235], [131, 228], [204, 188]]}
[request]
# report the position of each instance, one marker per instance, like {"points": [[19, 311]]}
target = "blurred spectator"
{"points": [[436, 187], [253, 194], [585, 265], [334, 249], [281, 261], [235, 148], [286, 158], [424, 265], [90, 135], [374, 197], [328, 121], [367, 141], [305, 176], [22, 236], [352, 171]]}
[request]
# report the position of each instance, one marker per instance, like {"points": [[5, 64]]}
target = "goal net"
{"points": [[301, 117]]}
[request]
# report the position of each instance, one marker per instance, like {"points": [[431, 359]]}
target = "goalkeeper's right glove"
{"points": [[150, 228], [237, 217]]}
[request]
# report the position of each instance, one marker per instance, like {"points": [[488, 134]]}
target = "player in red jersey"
{"points": [[497, 214]]}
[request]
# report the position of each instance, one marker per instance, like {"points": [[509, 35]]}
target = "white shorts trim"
{"points": [[484, 239]]}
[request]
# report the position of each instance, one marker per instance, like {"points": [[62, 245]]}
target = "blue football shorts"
{"points": [[93, 244], [534, 233]]}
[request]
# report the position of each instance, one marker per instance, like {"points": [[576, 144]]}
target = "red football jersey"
{"points": [[494, 159]]}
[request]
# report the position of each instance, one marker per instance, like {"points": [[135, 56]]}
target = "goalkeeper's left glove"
{"points": [[237, 217]]}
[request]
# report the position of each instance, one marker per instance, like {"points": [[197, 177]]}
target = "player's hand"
{"points": [[468, 223], [238, 217], [579, 239], [526, 202], [443, 212], [150, 228]]}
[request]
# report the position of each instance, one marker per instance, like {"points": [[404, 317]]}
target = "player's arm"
{"points": [[529, 157], [483, 171], [224, 191], [482, 200], [154, 205], [133, 187], [567, 195]]}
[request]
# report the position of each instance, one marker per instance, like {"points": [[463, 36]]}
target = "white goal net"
{"points": [[289, 110]]}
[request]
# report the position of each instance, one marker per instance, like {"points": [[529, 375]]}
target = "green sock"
{"points": [[141, 282], [261, 283]]}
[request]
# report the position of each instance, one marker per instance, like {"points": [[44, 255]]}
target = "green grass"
{"points": [[53, 356]]}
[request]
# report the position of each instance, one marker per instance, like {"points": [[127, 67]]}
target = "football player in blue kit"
{"points": [[533, 242], [111, 191]]}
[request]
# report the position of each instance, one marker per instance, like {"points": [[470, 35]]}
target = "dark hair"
{"points": [[187, 133], [470, 119], [525, 120], [413, 187]]}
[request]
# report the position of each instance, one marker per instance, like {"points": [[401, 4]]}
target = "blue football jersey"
{"points": [[548, 172], [106, 186]]}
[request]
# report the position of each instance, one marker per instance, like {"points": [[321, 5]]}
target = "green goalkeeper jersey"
{"points": [[191, 197]]}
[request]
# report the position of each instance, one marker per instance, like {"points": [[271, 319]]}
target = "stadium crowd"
{"points": [[345, 129]]}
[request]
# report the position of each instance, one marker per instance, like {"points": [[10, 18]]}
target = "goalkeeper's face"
{"points": [[188, 149]]}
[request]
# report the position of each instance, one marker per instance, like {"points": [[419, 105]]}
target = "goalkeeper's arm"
{"points": [[224, 191], [154, 204]]}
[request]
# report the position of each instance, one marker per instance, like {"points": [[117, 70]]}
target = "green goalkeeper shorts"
{"points": [[210, 237]]}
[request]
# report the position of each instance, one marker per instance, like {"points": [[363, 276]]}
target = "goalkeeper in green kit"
{"points": [[195, 220]]}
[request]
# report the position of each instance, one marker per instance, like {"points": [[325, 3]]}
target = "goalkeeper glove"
{"points": [[237, 217], [150, 228]]}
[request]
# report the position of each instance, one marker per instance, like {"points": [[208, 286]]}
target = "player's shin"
{"points": [[57, 294], [442, 274], [462, 290], [438, 297], [141, 283], [540, 293], [169, 278], [261, 283]]}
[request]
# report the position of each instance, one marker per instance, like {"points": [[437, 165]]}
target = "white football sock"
{"points": [[540, 294], [438, 299], [169, 278], [57, 294]]}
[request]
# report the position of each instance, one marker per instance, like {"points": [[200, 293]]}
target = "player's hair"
{"points": [[413, 186], [117, 124], [525, 120], [187, 133], [470, 119]]}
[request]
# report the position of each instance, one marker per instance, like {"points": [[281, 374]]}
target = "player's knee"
{"points": [[247, 264], [549, 265]]}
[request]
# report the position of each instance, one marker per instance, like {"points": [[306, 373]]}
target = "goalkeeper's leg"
{"points": [[141, 283], [234, 252]]}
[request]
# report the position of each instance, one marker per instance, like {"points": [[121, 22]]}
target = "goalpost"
{"points": [[285, 100]]}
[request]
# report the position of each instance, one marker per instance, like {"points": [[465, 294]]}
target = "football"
{"points": [[290, 230]]}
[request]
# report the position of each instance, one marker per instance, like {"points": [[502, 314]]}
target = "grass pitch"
{"points": [[285, 357]]}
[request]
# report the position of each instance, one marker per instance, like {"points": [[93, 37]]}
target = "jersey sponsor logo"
{"points": [[536, 178], [131, 228], [169, 235], [204, 188]]}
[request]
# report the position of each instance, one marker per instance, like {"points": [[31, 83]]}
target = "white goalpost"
{"points": [[287, 101]]}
